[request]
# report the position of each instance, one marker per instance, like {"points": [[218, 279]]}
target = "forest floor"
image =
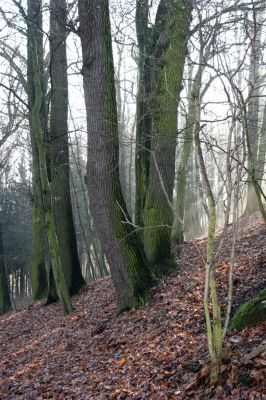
{"points": [[154, 352]]}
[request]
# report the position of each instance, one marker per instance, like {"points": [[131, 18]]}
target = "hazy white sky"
{"points": [[122, 18]]}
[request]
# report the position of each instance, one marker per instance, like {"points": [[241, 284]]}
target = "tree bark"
{"points": [[54, 253], [171, 31], [121, 246], [5, 302], [38, 268], [262, 149], [252, 123], [178, 228], [143, 120], [59, 150]]}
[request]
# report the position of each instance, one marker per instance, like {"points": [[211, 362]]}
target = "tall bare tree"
{"points": [[38, 263], [59, 151], [163, 50], [121, 245]]}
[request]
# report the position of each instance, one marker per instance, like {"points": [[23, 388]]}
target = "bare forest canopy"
{"points": [[128, 130]]}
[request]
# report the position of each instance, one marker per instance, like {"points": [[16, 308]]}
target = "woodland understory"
{"points": [[157, 351], [128, 130]]}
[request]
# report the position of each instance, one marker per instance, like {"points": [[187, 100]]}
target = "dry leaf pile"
{"points": [[155, 352]]}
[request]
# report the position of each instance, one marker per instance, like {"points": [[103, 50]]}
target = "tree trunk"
{"points": [[214, 325], [252, 123], [121, 246], [123, 145], [59, 150], [182, 172], [22, 282], [178, 229], [143, 120], [262, 149], [38, 269], [5, 302], [88, 234], [170, 49], [54, 253]]}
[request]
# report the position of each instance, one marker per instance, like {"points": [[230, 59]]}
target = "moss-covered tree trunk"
{"points": [[38, 273], [250, 313], [5, 302], [38, 259], [59, 151], [121, 245], [170, 49], [54, 253], [143, 117]]}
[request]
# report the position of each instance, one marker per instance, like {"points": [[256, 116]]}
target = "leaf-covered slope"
{"points": [[150, 353]]}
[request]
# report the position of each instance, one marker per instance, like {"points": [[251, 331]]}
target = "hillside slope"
{"points": [[150, 353]]}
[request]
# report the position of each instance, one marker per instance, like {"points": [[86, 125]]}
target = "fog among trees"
{"points": [[128, 128]]}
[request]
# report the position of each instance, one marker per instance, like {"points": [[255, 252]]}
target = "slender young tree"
{"points": [[59, 152], [121, 245], [214, 326], [178, 228], [187, 143]]}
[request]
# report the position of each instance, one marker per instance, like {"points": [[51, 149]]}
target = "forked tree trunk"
{"points": [[170, 49], [121, 246], [214, 324]]}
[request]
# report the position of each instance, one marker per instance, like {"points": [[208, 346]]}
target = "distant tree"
{"points": [[13, 249], [90, 248], [5, 302], [15, 220], [186, 145], [255, 85]]}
